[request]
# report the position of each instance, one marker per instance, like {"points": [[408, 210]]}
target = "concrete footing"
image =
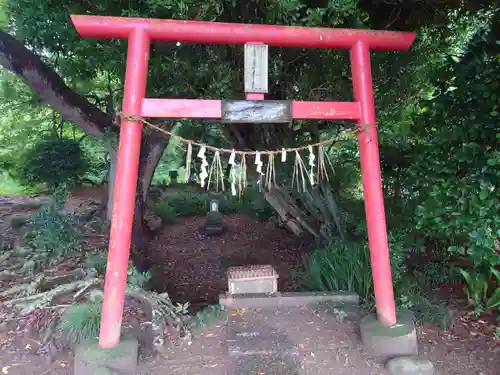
{"points": [[386, 343], [410, 366], [91, 359]]}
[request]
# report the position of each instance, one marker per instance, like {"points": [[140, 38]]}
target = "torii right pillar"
{"points": [[390, 336]]}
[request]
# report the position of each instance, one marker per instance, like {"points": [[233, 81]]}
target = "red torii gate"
{"points": [[140, 32]]}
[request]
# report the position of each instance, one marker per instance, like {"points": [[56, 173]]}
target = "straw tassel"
{"points": [[189, 155], [204, 165]]}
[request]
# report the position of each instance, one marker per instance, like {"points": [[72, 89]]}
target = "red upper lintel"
{"points": [[234, 33]]}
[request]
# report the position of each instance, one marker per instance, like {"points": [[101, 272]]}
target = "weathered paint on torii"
{"points": [[140, 32]]}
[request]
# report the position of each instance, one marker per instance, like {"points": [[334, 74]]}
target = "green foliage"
{"points": [[166, 212], [9, 186], [441, 273], [189, 202], [81, 322], [477, 289], [346, 266], [182, 203], [4, 14], [181, 308], [97, 261], [137, 278], [412, 296], [52, 231], [206, 317], [457, 201], [54, 161]]}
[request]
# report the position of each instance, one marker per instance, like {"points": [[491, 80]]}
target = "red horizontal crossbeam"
{"points": [[234, 33], [212, 109]]}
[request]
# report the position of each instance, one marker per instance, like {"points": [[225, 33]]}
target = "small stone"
{"points": [[410, 366]]}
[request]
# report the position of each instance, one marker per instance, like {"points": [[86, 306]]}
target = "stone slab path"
{"points": [[291, 341]]}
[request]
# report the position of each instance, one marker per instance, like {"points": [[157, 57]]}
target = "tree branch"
{"points": [[51, 88]]}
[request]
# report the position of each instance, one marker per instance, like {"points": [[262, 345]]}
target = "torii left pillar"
{"points": [[140, 32]]}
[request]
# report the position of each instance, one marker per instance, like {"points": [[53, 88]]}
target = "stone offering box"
{"points": [[257, 279]]}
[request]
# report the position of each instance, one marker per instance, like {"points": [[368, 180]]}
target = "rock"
{"points": [[410, 365], [32, 204], [4, 327], [6, 244], [29, 267], [154, 223], [22, 250], [18, 221], [7, 276]]}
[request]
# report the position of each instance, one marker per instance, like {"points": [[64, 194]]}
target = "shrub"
{"points": [[54, 161], [52, 231], [166, 212], [191, 203]]}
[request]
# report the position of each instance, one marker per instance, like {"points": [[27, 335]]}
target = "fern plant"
{"points": [[137, 278], [52, 231]]}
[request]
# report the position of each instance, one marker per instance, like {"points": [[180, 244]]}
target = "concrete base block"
{"points": [[91, 359], [292, 299], [410, 366], [386, 343]]}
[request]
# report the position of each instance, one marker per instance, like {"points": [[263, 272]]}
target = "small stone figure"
{"points": [[173, 177]]}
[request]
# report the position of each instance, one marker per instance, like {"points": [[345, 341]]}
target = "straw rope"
{"points": [[293, 150]]}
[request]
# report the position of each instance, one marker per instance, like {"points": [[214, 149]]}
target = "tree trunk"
{"points": [[152, 147], [108, 199]]}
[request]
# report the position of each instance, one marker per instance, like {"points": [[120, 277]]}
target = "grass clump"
{"points": [[343, 266], [81, 322], [346, 266]]}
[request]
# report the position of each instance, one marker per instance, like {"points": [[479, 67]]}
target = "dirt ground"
{"points": [[191, 267]]}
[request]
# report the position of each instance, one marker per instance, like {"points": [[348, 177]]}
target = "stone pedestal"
{"points": [[213, 224], [91, 359], [385, 342]]}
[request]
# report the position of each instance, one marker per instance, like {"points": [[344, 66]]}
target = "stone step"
{"points": [[267, 364], [249, 338]]}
